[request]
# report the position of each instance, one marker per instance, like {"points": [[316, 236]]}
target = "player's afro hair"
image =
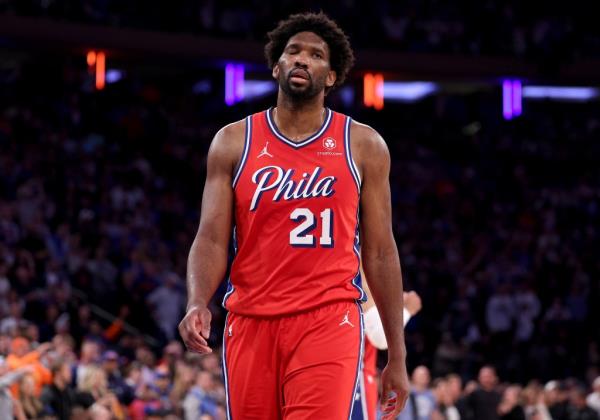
{"points": [[341, 57]]}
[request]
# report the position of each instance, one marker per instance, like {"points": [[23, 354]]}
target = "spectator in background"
{"points": [[166, 302], [58, 398], [99, 411], [445, 401], [421, 402], [593, 400], [557, 400], [199, 400], [63, 348], [146, 400], [116, 383], [162, 386], [578, 408], [11, 323], [4, 289], [483, 402], [93, 389], [528, 308], [9, 407], [133, 377], [500, 314], [534, 402], [510, 407], [88, 358], [30, 401], [172, 355], [184, 380], [22, 355]]}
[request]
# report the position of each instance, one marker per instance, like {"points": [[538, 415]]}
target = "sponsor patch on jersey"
{"points": [[329, 143]]}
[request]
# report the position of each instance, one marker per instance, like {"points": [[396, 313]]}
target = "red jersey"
{"points": [[296, 220]]}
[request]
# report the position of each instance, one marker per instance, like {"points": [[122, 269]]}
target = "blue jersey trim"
{"points": [[230, 288], [247, 141], [225, 379]]}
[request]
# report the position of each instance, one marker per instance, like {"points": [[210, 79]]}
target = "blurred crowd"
{"points": [[54, 380], [449, 398], [547, 32], [497, 226]]}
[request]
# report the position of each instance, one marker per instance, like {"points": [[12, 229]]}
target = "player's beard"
{"points": [[303, 93]]}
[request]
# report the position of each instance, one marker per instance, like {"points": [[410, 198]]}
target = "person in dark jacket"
{"points": [[483, 402], [59, 398], [578, 408]]}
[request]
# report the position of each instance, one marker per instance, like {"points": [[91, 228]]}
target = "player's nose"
{"points": [[301, 60]]}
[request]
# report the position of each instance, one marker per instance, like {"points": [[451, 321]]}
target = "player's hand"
{"points": [[195, 329], [412, 302], [395, 389]]}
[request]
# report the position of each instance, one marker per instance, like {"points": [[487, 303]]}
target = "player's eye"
{"points": [[318, 55]]}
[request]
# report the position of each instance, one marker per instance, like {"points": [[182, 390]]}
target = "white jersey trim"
{"points": [[349, 160]]}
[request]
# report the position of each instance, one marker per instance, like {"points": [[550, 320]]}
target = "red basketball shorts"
{"points": [[302, 366]]}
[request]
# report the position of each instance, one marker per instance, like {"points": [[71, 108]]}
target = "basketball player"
{"points": [[365, 403], [292, 180]]}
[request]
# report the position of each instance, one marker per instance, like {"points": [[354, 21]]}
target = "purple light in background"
{"points": [[507, 102], [257, 88], [238, 82], [408, 91], [230, 84], [517, 100], [113, 76], [564, 93], [234, 83]]}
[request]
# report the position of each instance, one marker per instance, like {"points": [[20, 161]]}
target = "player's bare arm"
{"points": [[380, 258], [207, 260]]}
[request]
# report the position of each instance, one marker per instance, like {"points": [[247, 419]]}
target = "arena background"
{"points": [[491, 114]]}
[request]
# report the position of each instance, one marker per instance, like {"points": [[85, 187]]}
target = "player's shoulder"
{"points": [[227, 145], [366, 140], [230, 136], [232, 132]]}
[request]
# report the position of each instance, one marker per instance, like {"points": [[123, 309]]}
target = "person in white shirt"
{"points": [[593, 400]]}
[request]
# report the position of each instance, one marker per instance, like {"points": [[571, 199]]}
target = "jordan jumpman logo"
{"points": [[265, 152], [346, 320]]}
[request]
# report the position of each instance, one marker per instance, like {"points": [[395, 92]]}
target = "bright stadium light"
{"points": [[234, 83], [373, 90], [100, 70], [507, 110], [258, 88], [564, 93], [517, 98], [512, 100], [113, 76], [347, 95], [408, 91]]}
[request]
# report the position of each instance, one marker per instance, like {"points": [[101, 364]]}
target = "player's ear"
{"points": [[331, 78], [275, 72]]}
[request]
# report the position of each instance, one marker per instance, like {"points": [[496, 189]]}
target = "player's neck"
{"points": [[298, 120]]}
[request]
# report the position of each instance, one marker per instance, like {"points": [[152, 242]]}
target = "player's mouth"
{"points": [[299, 76]]}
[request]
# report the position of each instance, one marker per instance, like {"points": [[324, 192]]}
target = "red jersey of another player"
{"points": [[296, 220]]}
